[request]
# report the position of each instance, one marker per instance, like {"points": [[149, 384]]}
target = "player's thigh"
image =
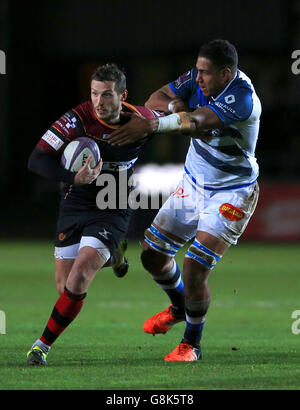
{"points": [[159, 249], [175, 223], [212, 242], [223, 220], [227, 213], [178, 217], [88, 262], [173, 226], [64, 259]]}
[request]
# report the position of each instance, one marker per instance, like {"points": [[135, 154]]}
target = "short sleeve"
{"points": [[183, 86], [234, 105]]}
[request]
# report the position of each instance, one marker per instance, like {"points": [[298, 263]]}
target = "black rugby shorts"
{"points": [[109, 226]]}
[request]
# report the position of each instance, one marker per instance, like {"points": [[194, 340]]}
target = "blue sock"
{"points": [[171, 282], [195, 312], [193, 331]]}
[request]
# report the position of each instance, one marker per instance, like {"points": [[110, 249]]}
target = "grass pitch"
{"points": [[248, 341]]}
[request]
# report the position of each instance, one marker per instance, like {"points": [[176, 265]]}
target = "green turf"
{"points": [[247, 341]]}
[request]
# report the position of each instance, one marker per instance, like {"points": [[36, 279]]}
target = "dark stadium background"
{"points": [[52, 48]]}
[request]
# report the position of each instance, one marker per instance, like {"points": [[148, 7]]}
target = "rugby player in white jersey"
{"points": [[216, 105]]}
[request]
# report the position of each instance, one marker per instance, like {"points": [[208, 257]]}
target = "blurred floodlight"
{"points": [[158, 179]]}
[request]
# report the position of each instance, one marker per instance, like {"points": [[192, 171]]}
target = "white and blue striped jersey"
{"points": [[227, 160]]}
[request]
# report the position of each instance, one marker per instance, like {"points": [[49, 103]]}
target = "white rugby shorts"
{"points": [[222, 213], [71, 251]]}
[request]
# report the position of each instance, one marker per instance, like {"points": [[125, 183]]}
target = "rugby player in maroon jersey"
{"points": [[87, 238]]}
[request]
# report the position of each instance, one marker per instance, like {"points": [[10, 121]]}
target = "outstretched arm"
{"points": [[194, 123], [165, 100]]}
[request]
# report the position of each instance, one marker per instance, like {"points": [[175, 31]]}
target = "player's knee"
{"points": [[147, 259], [153, 261], [84, 269], [161, 243], [60, 286], [160, 250], [89, 259], [62, 271], [196, 308], [79, 278]]}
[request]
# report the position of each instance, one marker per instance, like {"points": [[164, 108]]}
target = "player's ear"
{"points": [[124, 95], [227, 75]]}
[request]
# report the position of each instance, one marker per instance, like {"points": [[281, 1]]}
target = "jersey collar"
{"points": [[227, 86], [114, 127]]}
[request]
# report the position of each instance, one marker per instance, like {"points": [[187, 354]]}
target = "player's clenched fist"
{"points": [[178, 105]]}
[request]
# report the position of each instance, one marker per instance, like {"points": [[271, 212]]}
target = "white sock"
{"points": [[45, 348]]}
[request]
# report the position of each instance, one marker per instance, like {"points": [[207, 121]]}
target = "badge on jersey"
{"points": [[68, 125], [182, 79], [62, 236], [53, 140], [232, 212]]}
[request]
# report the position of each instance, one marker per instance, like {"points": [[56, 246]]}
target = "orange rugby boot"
{"points": [[184, 352], [161, 322]]}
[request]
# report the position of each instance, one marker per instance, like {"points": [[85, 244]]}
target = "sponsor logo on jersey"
{"points": [[225, 107], [71, 124], [229, 99], [231, 212], [52, 140], [66, 124], [179, 193]]}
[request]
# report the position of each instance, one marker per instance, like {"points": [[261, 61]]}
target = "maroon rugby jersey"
{"points": [[82, 121]]}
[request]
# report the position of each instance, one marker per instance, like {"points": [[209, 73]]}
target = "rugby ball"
{"points": [[77, 152]]}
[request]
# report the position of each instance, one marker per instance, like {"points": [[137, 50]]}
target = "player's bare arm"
{"points": [[164, 99], [202, 119], [194, 123]]}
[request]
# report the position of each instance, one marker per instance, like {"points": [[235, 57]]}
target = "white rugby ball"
{"points": [[77, 152]]}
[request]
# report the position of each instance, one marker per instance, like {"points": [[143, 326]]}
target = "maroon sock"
{"points": [[64, 312]]}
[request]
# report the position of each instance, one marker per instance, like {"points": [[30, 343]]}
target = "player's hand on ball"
{"points": [[86, 174]]}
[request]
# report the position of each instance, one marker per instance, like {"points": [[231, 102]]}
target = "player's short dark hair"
{"points": [[221, 53], [111, 72]]}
